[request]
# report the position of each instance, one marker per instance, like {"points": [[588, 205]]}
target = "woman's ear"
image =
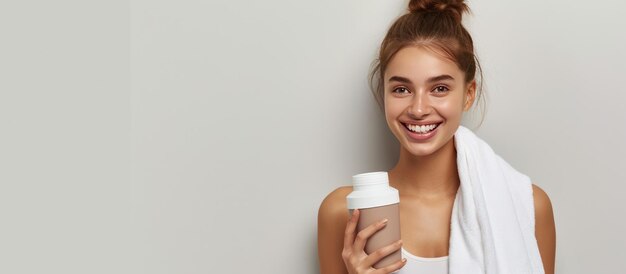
{"points": [[469, 95]]}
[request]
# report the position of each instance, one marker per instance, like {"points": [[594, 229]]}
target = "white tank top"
{"points": [[421, 265]]}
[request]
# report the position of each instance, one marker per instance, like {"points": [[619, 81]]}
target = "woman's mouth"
{"points": [[421, 132]]}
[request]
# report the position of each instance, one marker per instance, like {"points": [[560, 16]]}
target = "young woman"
{"points": [[425, 80]]}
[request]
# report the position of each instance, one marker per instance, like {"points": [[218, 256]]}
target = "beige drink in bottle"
{"points": [[376, 200]]}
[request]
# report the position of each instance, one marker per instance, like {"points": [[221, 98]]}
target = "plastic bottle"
{"points": [[376, 200]]}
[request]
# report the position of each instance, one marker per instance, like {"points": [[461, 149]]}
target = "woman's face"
{"points": [[425, 96]]}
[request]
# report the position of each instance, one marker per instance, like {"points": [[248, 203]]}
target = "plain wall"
{"points": [[201, 136], [64, 137]]}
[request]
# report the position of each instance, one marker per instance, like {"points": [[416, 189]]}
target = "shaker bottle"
{"points": [[376, 200]]}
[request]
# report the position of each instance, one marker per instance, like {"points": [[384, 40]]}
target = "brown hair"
{"points": [[435, 25]]}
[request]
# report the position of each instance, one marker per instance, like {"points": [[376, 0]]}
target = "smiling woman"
{"points": [[425, 96], [424, 79]]}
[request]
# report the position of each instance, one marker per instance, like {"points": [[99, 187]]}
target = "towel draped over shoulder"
{"points": [[492, 226]]}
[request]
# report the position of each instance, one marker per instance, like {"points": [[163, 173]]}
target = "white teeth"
{"points": [[422, 129]]}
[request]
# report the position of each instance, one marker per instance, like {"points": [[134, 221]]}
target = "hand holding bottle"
{"points": [[354, 256]]}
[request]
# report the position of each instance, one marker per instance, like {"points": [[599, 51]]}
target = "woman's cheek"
{"points": [[449, 107]]}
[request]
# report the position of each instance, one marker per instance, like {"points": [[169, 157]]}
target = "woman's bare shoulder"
{"points": [[334, 205], [331, 224], [545, 230]]}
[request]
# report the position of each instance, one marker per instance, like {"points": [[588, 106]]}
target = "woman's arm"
{"points": [[545, 230], [340, 247], [331, 224]]}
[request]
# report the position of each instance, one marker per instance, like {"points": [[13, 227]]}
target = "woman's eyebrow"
{"points": [[440, 78], [400, 79], [429, 80]]}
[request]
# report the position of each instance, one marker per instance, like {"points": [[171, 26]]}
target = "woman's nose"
{"points": [[420, 106]]}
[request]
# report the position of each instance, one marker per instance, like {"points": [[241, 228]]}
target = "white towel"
{"points": [[493, 222]]}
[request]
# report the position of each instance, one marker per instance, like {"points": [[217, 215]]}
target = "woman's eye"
{"points": [[441, 89], [401, 90]]}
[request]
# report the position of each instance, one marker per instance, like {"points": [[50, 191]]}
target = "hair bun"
{"points": [[456, 8]]}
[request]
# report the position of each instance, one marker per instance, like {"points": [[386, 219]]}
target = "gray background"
{"points": [[201, 136]]}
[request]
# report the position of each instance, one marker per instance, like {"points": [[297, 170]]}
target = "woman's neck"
{"points": [[434, 176]]}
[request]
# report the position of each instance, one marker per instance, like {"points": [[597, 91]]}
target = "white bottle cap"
{"points": [[372, 190]]}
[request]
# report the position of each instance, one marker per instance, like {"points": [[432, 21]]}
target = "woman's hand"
{"points": [[354, 256]]}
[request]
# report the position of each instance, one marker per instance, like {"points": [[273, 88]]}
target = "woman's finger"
{"points": [[377, 255], [363, 235], [348, 238], [391, 268]]}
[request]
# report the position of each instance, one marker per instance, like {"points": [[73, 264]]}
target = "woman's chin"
{"points": [[425, 149], [418, 150]]}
